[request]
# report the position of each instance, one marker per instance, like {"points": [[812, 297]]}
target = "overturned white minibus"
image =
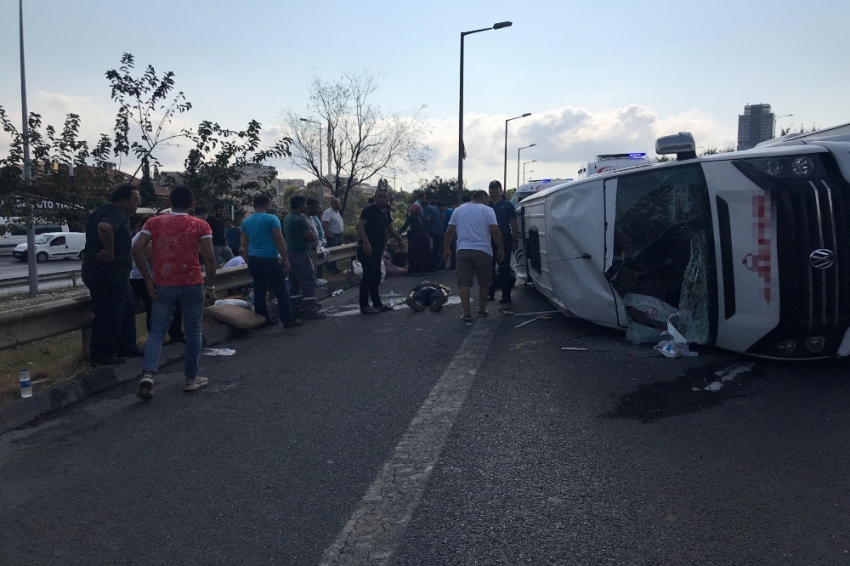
{"points": [[751, 248]]}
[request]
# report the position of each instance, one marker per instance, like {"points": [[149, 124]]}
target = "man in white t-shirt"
{"points": [[333, 227], [475, 224]]}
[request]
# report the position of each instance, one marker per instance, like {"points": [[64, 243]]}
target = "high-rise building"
{"points": [[755, 125]]}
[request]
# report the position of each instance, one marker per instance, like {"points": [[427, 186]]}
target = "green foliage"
{"points": [[444, 190], [214, 165], [62, 187], [712, 149], [143, 105]]}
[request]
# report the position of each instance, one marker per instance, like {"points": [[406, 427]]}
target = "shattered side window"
{"points": [[663, 246]]}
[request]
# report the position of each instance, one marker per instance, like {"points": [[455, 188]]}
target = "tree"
{"points": [[361, 141], [141, 100], [712, 149], [215, 165], [444, 190], [63, 188]]}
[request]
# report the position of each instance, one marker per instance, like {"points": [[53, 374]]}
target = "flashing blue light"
{"points": [[545, 180], [637, 155]]}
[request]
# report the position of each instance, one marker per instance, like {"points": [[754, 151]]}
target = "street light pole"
{"points": [[460, 147], [776, 119], [31, 256], [505, 174], [517, 161], [523, 168], [321, 180]]}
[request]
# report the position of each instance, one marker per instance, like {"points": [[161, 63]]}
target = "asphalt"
{"points": [[614, 455]]}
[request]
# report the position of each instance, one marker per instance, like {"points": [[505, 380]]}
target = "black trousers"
{"points": [[268, 273], [371, 280], [175, 331], [113, 330], [436, 251], [502, 275]]}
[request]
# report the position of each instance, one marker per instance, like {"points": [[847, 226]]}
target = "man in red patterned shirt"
{"points": [[176, 238]]}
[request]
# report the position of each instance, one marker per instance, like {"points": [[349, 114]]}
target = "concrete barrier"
{"points": [[31, 324]]}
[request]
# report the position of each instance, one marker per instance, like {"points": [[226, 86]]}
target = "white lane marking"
{"points": [[372, 534]]}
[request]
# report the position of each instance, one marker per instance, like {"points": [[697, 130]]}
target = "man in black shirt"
{"points": [[223, 253], [373, 226], [508, 227], [106, 272]]}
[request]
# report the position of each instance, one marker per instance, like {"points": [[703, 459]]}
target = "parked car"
{"points": [[15, 231], [750, 248], [54, 245]]}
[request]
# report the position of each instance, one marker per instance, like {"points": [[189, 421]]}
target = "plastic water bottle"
{"points": [[26, 383], [392, 299]]}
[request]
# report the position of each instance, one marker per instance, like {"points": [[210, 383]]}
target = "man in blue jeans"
{"points": [[265, 251], [176, 239]]}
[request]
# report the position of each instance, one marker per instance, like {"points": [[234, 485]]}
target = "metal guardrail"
{"points": [[31, 324], [73, 275]]}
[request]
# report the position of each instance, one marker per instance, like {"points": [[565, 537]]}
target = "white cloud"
{"points": [[565, 137]]}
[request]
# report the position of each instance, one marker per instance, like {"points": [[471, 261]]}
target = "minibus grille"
{"points": [[814, 259]]}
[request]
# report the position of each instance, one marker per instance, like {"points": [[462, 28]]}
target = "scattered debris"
{"points": [[574, 349], [218, 351], [234, 302], [337, 292]]}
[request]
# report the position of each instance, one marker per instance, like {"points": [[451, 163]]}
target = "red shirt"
{"points": [[176, 242]]}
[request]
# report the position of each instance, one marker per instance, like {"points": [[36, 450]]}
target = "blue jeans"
{"points": [[191, 300]]}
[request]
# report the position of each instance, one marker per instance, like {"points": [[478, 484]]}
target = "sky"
{"points": [[597, 77]]}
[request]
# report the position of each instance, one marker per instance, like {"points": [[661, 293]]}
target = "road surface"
{"points": [[406, 438]]}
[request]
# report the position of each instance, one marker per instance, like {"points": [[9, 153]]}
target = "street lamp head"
{"points": [[526, 115], [501, 25], [532, 145], [534, 161]]}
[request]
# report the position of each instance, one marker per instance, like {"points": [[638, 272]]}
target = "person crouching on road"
{"points": [[374, 225], [475, 224], [106, 269], [268, 261], [302, 273], [176, 238], [427, 294]]}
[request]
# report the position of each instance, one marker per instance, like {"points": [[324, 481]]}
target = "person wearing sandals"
{"points": [[373, 227], [475, 224]]}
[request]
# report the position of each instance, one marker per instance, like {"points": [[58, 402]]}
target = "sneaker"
{"points": [[145, 390], [483, 314], [321, 282], [195, 383], [438, 303], [314, 315], [418, 307], [466, 318], [293, 323], [505, 299]]}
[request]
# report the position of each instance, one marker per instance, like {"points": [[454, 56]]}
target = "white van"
{"points": [[54, 245], [15, 231], [751, 248], [527, 189], [612, 162]]}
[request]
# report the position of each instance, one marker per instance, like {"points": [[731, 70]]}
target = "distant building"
{"points": [[755, 125]]}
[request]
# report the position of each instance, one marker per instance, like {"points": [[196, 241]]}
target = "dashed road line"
{"points": [[372, 534]]}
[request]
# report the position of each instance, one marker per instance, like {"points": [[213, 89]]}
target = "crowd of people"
{"points": [[169, 262]]}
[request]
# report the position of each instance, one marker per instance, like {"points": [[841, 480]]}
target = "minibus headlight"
{"points": [[787, 348], [815, 344], [791, 167]]}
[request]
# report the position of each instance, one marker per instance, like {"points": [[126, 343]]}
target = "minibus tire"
{"points": [[41, 257]]}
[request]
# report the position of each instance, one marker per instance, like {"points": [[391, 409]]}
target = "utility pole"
{"points": [[31, 259]]}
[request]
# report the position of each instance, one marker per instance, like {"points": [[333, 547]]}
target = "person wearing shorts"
{"points": [[475, 225]]}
